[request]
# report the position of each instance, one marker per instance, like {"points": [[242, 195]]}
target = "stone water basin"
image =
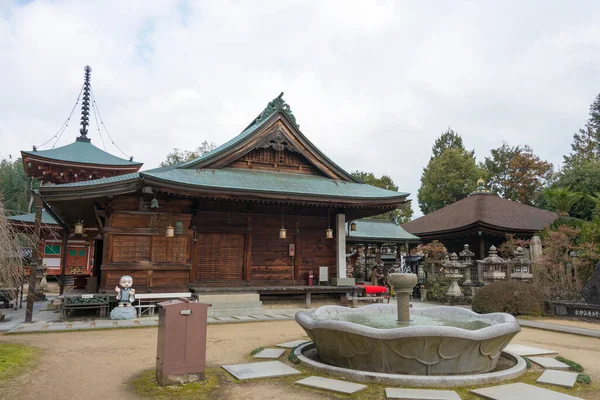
{"points": [[437, 341]]}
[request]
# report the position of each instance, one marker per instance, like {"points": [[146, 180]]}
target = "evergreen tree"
{"points": [[447, 140], [586, 143], [449, 177], [403, 214], [15, 186], [585, 178]]}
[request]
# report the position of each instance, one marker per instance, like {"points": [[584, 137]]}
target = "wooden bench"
{"points": [[149, 300], [85, 301]]}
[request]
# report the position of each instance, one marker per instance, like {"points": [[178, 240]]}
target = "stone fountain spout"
{"points": [[403, 285]]}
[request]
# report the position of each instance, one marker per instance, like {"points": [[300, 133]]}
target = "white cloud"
{"points": [[371, 83]]}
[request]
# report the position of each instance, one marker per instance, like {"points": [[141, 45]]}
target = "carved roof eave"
{"points": [[312, 153], [242, 194]]}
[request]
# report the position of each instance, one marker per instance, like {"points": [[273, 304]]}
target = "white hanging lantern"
{"points": [[170, 231], [78, 228]]}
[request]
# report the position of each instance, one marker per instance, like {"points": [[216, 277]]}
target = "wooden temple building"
{"points": [[264, 209], [480, 220]]}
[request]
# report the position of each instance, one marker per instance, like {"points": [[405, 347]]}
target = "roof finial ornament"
{"points": [[481, 187], [277, 104], [85, 106]]}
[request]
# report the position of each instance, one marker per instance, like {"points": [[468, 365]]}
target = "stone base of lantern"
{"points": [[454, 290]]}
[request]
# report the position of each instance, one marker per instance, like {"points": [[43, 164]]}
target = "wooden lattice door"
{"points": [[220, 257]]}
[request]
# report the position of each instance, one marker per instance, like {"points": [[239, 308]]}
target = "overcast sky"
{"points": [[372, 84]]}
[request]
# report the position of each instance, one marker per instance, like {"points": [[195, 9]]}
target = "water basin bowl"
{"points": [[437, 341]]}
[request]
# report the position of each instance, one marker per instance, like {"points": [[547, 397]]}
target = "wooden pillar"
{"points": [[35, 270], [247, 256], [340, 245], [63, 260]]}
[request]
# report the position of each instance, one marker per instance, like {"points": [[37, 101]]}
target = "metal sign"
{"points": [[185, 312], [87, 296]]}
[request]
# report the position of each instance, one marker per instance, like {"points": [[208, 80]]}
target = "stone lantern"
{"points": [[453, 269], [520, 266], [494, 267], [467, 260]]}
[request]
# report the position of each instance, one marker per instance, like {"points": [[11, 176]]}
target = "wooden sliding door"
{"points": [[220, 257]]}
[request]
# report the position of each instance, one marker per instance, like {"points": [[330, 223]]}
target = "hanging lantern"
{"points": [[282, 231], [78, 228], [170, 231], [154, 203], [328, 231], [353, 226], [178, 228]]}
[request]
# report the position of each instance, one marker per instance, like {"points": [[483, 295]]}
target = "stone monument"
{"points": [[126, 297], [591, 291]]}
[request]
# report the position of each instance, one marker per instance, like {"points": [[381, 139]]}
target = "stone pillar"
{"points": [[403, 286], [536, 248], [340, 245]]}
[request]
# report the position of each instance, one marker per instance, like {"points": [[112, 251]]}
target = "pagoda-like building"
{"points": [[67, 249], [77, 161]]}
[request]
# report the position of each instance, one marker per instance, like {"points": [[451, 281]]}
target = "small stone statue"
{"points": [[126, 297]]}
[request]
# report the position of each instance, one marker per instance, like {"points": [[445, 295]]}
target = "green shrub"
{"points": [[516, 298], [256, 350], [584, 378], [437, 287], [573, 366]]}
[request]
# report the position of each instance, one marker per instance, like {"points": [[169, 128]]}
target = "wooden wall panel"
{"points": [[271, 160], [170, 278], [220, 256]]}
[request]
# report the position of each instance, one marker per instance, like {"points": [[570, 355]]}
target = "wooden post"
{"points": [[35, 270], [63, 260]]}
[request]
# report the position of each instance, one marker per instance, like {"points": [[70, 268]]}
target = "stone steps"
{"points": [[232, 304]]}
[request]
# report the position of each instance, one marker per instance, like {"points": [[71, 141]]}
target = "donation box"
{"points": [[181, 350]]}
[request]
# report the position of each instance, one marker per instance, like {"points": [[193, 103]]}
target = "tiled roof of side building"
{"points": [[379, 229], [30, 218], [82, 152], [271, 182], [484, 208]]}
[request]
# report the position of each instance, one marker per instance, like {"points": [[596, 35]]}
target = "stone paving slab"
{"points": [[521, 391], [291, 345], [421, 394], [332, 384], [262, 317], [526, 351], [227, 319], [265, 369], [244, 318], [560, 328], [269, 353], [558, 378], [549, 363]]}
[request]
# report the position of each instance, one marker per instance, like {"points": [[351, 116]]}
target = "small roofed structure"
{"points": [[481, 220], [382, 237], [80, 160]]}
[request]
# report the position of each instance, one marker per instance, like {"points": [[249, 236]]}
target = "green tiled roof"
{"points": [[93, 182], [81, 152], [271, 182], [30, 218], [379, 230]]}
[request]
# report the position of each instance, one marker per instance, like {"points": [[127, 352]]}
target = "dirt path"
{"points": [[99, 364]]}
